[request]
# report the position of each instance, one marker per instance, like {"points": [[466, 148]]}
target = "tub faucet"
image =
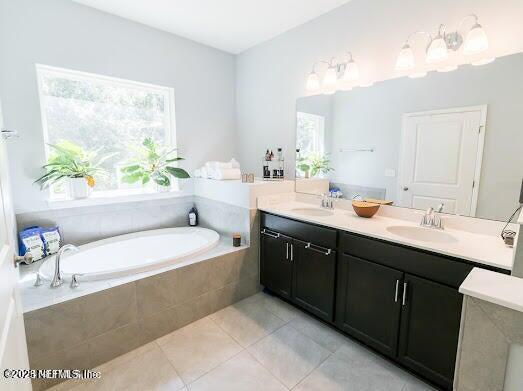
{"points": [[57, 279]]}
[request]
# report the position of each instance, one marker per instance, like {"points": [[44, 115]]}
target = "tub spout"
{"points": [[57, 279]]}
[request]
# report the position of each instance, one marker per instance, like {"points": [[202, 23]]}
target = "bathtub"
{"points": [[132, 253]]}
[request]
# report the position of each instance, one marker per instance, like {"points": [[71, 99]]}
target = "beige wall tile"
{"points": [[154, 294], [54, 328], [109, 309], [114, 343]]}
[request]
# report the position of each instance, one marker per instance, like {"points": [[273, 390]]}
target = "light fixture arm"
{"points": [[476, 20]]}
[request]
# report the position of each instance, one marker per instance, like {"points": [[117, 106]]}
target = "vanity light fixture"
{"points": [[476, 41], [313, 81], [352, 72], [443, 43], [437, 50], [330, 79], [405, 61], [338, 75]]}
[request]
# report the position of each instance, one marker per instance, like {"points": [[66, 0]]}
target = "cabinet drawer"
{"points": [[307, 232], [437, 268]]}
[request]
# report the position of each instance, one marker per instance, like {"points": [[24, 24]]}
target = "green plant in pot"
{"points": [[319, 165], [72, 165], [303, 165], [314, 165], [153, 163]]}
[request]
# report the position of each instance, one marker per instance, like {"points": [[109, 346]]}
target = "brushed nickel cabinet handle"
{"points": [[397, 291], [271, 234], [318, 249], [404, 301], [292, 252], [287, 250]]}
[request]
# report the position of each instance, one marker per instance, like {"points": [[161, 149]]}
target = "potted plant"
{"points": [[71, 164], [303, 165], [153, 163]]}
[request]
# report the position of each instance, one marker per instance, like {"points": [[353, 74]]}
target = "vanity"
{"points": [[392, 293]]}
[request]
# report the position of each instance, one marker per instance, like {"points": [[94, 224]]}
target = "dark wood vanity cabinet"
{"points": [[429, 331], [303, 271], [314, 273], [276, 268], [401, 301], [368, 303]]}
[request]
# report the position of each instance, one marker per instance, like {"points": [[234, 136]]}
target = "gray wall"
{"points": [[64, 34], [271, 76], [372, 117]]}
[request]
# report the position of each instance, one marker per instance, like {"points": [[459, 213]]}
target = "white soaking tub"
{"points": [[132, 253]]}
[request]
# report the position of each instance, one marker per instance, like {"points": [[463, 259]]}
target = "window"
{"points": [[310, 134], [104, 114]]}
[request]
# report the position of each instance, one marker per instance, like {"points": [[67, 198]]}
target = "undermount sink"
{"points": [[312, 212], [422, 234]]}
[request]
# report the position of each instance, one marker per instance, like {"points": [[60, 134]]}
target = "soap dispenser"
{"points": [[193, 217]]}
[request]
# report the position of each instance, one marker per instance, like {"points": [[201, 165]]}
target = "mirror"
{"points": [[452, 138]]}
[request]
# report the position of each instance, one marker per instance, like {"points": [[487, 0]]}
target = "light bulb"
{"points": [[352, 73], [405, 59], [476, 41], [437, 51], [313, 82], [330, 81]]}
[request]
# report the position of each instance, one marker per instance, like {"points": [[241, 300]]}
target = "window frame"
{"points": [[319, 135], [70, 74]]}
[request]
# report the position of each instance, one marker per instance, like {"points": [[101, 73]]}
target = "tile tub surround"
{"points": [[487, 330], [239, 349], [85, 224], [92, 329]]}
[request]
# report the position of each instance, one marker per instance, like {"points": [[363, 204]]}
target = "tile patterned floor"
{"points": [[260, 343]]}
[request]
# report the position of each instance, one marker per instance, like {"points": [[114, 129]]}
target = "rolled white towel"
{"points": [[234, 163], [227, 174]]}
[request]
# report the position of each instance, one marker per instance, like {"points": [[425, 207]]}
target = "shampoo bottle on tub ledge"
{"points": [[193, 217]]}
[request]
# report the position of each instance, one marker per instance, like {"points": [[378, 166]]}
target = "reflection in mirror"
{"points": [[450, 138]]}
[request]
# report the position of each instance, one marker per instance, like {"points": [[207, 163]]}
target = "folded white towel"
{"points": [[233, 163], [227, 174]]}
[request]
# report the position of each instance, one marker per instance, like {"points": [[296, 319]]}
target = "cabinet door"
{"points": [[275, 264], [430, 321], [369, 302], [314, 278]]}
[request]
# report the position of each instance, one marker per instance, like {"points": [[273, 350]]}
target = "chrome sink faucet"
{"points": [[327, 202], [57, 279], [432, 219]]}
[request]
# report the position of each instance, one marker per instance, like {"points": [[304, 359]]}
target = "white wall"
{"points": [[64, 34], [271, 76]]}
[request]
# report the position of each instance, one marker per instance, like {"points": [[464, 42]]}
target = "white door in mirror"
{"points": [[441, 159], [13, 348]]}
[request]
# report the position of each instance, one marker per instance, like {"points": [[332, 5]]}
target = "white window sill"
{"points": [[117, 197]]}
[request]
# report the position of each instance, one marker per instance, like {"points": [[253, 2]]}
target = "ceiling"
{"points": [[229, 25]]}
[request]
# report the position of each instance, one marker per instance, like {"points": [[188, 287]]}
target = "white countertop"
{"points": [[475, 247], [493, 287]]}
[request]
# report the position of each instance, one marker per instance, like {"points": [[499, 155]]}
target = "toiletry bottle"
{"points": [[279, 154], [267, 156], [193, 217], [271, 156]]}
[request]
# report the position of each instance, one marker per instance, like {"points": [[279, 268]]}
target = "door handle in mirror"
{"points": [[405, 188]]}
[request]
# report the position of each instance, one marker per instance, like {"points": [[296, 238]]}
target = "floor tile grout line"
{"points": [[313, 369], [267, 369], [170, 363], [213, 368]]}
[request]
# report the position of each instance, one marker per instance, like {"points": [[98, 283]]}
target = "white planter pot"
{"points": [[162, 189], [78, 188]]}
